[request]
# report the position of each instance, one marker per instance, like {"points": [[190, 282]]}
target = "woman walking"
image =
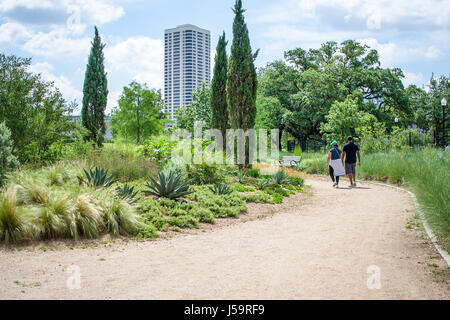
{"points": [[334, 164]]}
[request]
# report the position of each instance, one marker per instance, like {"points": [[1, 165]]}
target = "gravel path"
{"points": [[322, 249]]}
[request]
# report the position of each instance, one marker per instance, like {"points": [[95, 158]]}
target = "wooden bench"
{"points": [[290, 161]]}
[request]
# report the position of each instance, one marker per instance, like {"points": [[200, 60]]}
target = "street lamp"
{"points": [[396, 120], [444, 127]]}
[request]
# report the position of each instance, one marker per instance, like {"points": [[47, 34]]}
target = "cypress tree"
{"points": [[95, 92], [241, 83], [219, 105]]}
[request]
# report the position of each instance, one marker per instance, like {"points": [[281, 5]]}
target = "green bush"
{"points": [[204, 173], [254, 173], [7, 160], [158, 149]]}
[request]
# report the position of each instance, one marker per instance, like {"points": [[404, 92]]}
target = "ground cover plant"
{"points": [[121, 191]]}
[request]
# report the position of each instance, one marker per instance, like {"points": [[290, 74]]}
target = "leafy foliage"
{"points": [[204, 173], [169, 185], [95, 92], [139, 114], [242, 82], [198, 110], [7, 160], [219, 105], [33, 110]]}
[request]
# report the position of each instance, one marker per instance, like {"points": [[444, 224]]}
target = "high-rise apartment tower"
{"points": [[187, 64]]}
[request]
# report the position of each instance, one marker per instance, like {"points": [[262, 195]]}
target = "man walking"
{"points": [[350, 151]]}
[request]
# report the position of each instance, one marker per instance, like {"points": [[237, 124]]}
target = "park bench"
{"points": [[290, 161]]}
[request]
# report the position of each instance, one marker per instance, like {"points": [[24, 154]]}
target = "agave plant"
{"points": [[241, 176], [127, 193], [220, 189], [97, 178], [263, 184], [281, 177], [168, 185]]}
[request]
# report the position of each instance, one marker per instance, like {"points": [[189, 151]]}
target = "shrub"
{"points": [[298, 151], [183, 221], [158, 149], [204, 174], [203, 214], [241, 188], [259, 197], [7, 160], [254, 173], [169, 186]]}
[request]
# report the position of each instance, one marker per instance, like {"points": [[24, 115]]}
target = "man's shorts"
{"points": [[350, 168]]}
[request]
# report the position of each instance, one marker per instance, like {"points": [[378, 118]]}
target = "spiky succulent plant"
{"points": [[168, 185]]}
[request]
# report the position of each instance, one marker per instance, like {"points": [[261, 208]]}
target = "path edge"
{"points": [[421, 215]]}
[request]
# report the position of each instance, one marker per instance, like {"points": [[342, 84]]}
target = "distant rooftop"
{"points": [[187, 26]]}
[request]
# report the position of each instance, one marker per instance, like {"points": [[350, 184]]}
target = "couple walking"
{"points": [[335, 162]]}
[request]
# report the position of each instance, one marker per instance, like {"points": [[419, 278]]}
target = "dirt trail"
{"points": [[320, 250]]}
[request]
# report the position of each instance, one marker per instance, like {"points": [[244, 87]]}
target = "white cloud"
{"points": [[57, 43], [141, 58], [91, 11], [62, 40], [392, 54], [12, 32], [61, 82], [432, 53], [375, 13], [412, 78]]}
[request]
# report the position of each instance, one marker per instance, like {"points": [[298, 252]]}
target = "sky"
{"points": [[409, 34]]}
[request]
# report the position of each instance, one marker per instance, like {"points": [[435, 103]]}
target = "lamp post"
{"points": [[444, 127]]}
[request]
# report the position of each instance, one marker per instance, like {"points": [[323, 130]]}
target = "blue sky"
{"points": [[410, 34]]}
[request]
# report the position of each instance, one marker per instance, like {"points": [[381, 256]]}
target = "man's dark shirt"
{"points": [[350, 150]]}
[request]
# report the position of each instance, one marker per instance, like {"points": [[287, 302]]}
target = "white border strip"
{"points": [[444, 254]]}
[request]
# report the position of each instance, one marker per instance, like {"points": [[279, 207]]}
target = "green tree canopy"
{"points": [[219, 105], [95, 92], [198, 110], [242, 83], [139, 114], [33, 110]]}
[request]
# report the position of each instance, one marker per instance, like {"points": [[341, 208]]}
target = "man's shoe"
{"points": [[354, 185]]}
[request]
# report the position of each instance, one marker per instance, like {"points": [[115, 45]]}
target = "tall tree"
{"points": [[95, 92], [33, 110], [139, 114], [241, 83], [219, 105], [198, 110]]}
